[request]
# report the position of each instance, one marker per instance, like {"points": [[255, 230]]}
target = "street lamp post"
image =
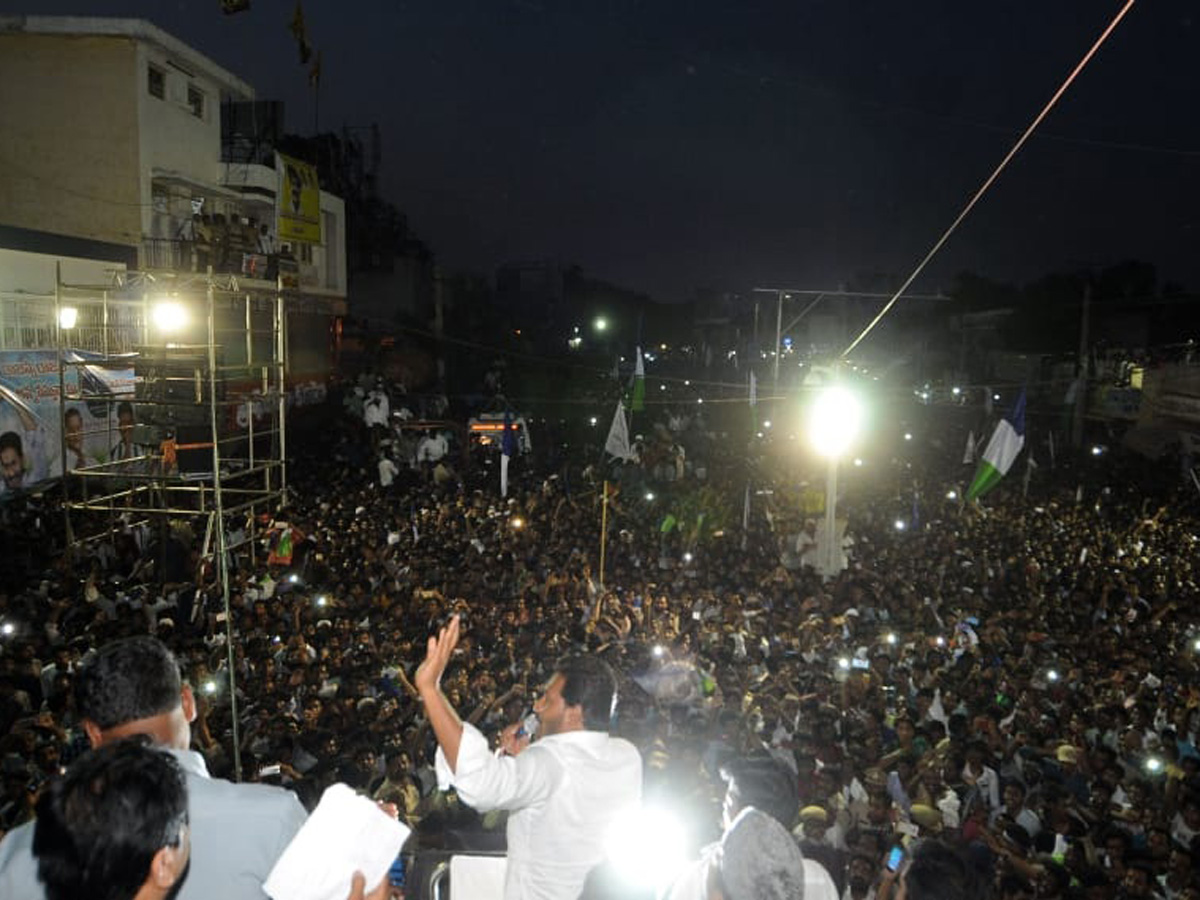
{"points": [[833, 423]]}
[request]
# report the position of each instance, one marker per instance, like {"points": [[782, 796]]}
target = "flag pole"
{"points": [[603, 532]]}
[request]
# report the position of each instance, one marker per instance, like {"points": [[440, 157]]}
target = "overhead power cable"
{"points": [[995, 174]]}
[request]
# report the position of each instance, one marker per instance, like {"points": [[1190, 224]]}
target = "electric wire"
{"points": [[995, 174]]}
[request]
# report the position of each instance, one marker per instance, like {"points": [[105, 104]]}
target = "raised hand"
{"points": [[437, 657]]}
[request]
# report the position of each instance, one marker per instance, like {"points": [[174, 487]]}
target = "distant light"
{"points": [[600, 324], [662, 387], [951, 495], [575, 342], [890, 637], [924, 395], [760, 434], [1195, 643], [1097, 450], [687, 557], [900, 524], [592, 421], [956, 391], [908, 435], [858, 461], [940, 641], [767, 424], [843, 663], [67, 317], [649, 496], [322, 601], [1052, 675], [687, 382], [699, 399], [658, 650], [995, 396], [210, 687], [517, 523], [169, 316], [662, 347], [1154, 765], [7, 628], [293, 578]]}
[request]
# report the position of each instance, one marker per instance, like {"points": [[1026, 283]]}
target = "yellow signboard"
{"points": [[297, 201]]}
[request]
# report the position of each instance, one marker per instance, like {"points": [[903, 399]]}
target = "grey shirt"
{"points": [[238, 832]]}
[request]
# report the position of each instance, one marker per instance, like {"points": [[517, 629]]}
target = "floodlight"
{"points": [[517, 523], [890, 637], [601, 323], [67, 317], [169, 316], [951, 495], [647, 847], [210, 687], [649, 496], [833, 421], [899, 524], [8, 629]]}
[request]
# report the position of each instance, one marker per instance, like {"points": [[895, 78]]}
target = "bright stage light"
{"points": [[833, 421], [169, 316], [67, 317], [648, 847]]}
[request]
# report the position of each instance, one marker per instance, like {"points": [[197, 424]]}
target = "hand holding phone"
{"points": [[894, 858]]}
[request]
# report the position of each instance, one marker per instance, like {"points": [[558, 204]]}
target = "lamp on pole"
{"points": [[834, 419]]}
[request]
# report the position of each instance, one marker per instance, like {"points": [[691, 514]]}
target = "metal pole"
{"points": [[219, 513], [831, 554], [603, 532], [778, 334], [281, 376], [1081, 385], [62, 406]]}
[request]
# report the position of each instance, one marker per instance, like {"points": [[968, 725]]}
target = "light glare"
{"points": [[833, 421], [169, 316], [67, 317]]}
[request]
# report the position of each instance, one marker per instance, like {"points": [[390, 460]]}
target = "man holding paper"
{"points": [[563, 790]]}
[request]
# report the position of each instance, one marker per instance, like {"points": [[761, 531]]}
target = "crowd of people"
{"points": [[1015, 681]]}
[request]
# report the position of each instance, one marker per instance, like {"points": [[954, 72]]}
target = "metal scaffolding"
{"points": [[198, 433]]}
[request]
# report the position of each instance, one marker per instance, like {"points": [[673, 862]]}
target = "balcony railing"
{"points": [[225, 257]]}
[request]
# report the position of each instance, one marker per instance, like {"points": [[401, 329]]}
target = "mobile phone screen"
{"points": [[895, 857]]}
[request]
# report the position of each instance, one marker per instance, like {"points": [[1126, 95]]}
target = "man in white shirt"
{"points": [[563, 791]]}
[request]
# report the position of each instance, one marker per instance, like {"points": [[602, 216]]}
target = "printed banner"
{"points": [[297, 201], [31, 432]]}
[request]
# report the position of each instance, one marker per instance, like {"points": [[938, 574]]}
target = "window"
{"points": [[196, 101], [156, 81]]}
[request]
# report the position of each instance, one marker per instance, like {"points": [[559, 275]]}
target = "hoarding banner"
{"points": [[297, 201], [31, 439]]}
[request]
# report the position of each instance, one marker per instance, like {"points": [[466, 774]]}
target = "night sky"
{"points": [[667, 146]]}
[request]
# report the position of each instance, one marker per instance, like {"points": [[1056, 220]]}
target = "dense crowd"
{"points": [[1018, 679]]}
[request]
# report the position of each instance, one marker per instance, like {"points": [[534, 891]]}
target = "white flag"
{"points": [[969, 452], [618, 436], [503, 474], [753, 389], [1030, 465]]}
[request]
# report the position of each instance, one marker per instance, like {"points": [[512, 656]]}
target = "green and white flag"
{"points": [[1004, 447]]}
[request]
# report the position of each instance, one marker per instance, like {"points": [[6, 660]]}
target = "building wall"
{"points": [[69, 152], [172, 138]]}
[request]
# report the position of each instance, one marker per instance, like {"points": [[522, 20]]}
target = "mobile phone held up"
{"points": [[894, 858]]}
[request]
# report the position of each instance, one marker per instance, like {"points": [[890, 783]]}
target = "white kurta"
{"points": [[564, 792]]}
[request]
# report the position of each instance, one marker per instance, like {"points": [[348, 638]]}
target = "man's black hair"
{"points": [[764, 783], [937, 872], [10, 440], [73, 413], [100, 826], [589, 682], [130, 679]]}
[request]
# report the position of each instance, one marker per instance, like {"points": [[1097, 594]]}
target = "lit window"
{"points": [[156, 81], [196, 101]]}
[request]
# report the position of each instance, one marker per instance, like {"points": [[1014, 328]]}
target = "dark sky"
{"points": [[672, 144]]}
